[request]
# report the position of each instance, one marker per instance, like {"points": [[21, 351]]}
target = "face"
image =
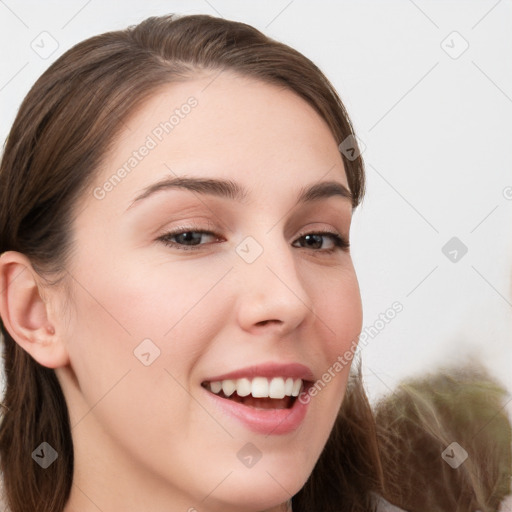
{"points": [[195, 300]]}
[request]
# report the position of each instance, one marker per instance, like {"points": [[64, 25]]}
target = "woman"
{"points": [[175, 272]]}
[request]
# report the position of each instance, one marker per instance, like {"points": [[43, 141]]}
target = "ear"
{"points": [[25, 312]]}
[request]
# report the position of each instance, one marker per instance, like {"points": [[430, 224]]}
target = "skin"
{"points": [[145, 438]]}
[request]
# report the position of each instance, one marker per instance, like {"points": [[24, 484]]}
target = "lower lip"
{"points": [[263, 421]]}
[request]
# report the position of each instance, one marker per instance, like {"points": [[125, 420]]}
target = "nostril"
{"points": [[265, 322]]}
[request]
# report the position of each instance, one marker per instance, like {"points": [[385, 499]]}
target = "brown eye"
{"points": [[188, 238], [316, 241], [313, 241], [184, 239]]}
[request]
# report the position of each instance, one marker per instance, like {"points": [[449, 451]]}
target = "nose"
{"points": [[272, 295]]}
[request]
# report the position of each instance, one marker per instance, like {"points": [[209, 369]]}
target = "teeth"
{"points": [[259, 387], [243, 387], [276, 388], [216, 387], [288, 386], [228, 387], [296, 387]]}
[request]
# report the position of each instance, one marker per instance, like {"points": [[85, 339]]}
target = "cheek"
{"points": [[155, 299], [337, 303], [119, 310], [339, 311]]}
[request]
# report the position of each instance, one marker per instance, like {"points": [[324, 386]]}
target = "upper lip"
{"points": [[269, 370]]}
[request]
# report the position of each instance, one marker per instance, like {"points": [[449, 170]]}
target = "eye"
{"points": [[316, 241], [192, 238], [188, 238]]}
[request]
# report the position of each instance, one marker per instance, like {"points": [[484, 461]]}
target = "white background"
{"points": [[438, 136]]}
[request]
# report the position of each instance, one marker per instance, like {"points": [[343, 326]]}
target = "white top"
{"points": [[385, 506]]}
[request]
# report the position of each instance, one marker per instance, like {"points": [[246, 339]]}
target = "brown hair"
{"points": [[63, 130]]}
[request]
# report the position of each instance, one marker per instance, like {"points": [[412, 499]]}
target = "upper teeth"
{"points": [[258, 387]]}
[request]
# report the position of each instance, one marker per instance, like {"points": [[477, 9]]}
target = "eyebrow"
{"points": [[231, 190]]}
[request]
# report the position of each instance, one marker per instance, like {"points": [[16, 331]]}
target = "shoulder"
{"points": [[3, 504], [384, 506]]}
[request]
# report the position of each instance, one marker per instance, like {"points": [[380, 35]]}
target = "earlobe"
{"points": [[26, 314]]}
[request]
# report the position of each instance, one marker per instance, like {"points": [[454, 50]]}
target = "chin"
{"points": [[250, 492], [264, 486]]}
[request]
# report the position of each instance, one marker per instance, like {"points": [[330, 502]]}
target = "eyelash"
{"points": [[340, 242]]}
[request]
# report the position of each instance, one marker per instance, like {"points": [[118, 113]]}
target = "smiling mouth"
{"points": [[259, 392]]}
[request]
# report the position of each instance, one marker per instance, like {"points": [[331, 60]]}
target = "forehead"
{"points": [[224, 125]]}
